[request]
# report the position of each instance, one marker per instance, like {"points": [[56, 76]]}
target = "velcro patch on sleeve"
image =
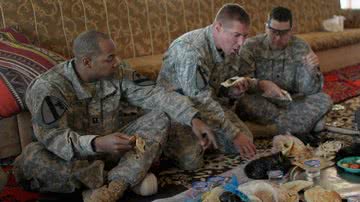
{"points": [[201, 78], [52, 109]]}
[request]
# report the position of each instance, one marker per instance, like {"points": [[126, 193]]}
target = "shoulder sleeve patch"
{"points": [[52, 109]]}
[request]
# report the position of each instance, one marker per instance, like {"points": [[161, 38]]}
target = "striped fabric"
{"points": [[13, 35], [20, 63]]}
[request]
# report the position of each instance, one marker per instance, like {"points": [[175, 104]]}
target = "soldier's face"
{"points": [[279, 33], [232, 37], [105, 64]]}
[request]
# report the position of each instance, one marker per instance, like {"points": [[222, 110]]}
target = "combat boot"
{"points": [[107, 193], [148, 186]]}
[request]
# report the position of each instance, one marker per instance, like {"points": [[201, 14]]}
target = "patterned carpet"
{"points": [[342, 115], [343, 83], [173, 180]]}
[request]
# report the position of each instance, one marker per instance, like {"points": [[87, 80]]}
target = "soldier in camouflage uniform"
{"points": [[283, 61], [193, 66], [77, 118]]}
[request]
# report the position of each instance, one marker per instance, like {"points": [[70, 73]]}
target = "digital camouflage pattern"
{"points": [[68, 114], [287, 69], [194, 67]]}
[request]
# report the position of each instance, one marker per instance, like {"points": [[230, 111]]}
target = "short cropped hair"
{"points": [[232, 12], [281, 14], [87, 44]]}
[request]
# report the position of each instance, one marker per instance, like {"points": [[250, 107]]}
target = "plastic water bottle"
{"points": [[312, 169], [353, 199], [215, 181], [196, 191], [275, 176]]}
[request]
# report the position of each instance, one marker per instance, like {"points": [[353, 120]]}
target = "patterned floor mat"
{"points": [[173, 180], [342, 115]]}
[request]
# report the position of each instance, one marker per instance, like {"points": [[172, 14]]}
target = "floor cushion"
{"points": [[20, 63], [327, 40], [148, 66]]}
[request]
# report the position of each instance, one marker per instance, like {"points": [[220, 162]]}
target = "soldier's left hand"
{"points": [[203, 133], [270, 89], [244, 145], [311, 60]]}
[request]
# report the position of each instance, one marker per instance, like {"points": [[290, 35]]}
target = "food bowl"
{"points": [[346, 164]]}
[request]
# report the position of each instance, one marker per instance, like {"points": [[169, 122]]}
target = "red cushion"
{"points": [[9, 105], [19, 65]]}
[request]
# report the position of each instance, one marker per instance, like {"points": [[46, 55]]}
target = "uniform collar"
{"points": [[103, 88], [108, 88], [218, 58], [278, 54]]}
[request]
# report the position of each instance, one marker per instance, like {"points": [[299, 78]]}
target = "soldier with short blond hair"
{"points": [[193, 66]]}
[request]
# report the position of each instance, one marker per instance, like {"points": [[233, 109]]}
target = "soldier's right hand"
{"points": [[270, 89], [114, 143]]}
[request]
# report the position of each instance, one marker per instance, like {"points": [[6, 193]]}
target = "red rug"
{"points": [[343, 84], [13, 192]]}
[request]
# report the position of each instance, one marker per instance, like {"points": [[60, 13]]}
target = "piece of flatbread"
{"points": [[318, 194], [139, 143], [297, 185], [324, 163], [232, 81]]}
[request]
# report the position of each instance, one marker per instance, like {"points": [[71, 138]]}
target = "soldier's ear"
{"points": [[86, 61], [217, 26], [293, 29]]}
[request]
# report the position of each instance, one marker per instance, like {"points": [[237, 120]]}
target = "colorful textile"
{"points": [[343, 84], [20, 63], [13, 35]]}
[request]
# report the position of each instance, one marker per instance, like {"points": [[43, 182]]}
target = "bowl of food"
{"points": [[350, 164]]}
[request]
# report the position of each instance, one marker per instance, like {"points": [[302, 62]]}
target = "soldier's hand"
{"points": [[311, 60], [239, 87], [270, 89], [244, 145], [114, 143], [203, 133]]}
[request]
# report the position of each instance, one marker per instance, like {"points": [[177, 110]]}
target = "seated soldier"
{"points": [[284, 62], [81, 138], [194, 66]]}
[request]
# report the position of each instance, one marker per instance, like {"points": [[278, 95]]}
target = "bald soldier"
{"points": [[82, 140], [287, 63], [193, 66]]}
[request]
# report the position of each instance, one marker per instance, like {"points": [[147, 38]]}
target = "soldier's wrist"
{"points": [[196, 117]]}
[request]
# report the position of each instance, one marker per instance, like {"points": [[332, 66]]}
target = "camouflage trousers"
{"points": [[184, 148], [44, 171], [298, 117]]}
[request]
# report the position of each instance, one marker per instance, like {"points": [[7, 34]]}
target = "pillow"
{"points": [[12, 34], [20, 63]]}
